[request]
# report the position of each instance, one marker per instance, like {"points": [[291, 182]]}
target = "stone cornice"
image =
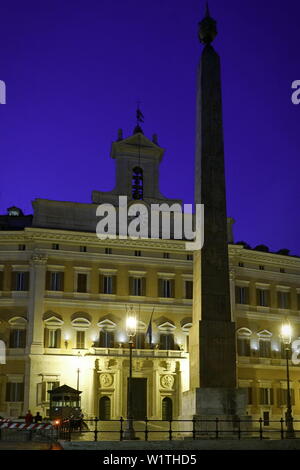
{"points": [[238, 251]]}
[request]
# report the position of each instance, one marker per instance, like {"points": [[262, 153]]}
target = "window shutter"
{"points": [[48, 280], [8, 391], [278, 299], [46, 338], [44, 392], [114, 284], [1, 280], [14, 280], [162, 340], [237, 294], [271, 396], [62, 281], [39, 393], [26, 280], [23, 339], [247, 295], [171, 342], [101, 283], [58, 338], [111, 339], [257, 297], [143, 280], [21, 392], [172, 283], [12, 338], [267, 295]]}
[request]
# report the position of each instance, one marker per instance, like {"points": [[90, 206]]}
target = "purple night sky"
{"points": [[74, 71]]}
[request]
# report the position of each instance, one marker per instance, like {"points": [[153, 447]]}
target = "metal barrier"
{"points": [[177, 429]]}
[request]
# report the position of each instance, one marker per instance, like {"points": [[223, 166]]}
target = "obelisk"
{"points": [[213, 383]]}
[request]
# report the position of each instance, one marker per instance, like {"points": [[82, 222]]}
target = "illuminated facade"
{"points": [[63, 297]]}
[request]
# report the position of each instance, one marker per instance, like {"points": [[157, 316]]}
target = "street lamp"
{"points": [[79, 363], [129, 433], [286, 335]]}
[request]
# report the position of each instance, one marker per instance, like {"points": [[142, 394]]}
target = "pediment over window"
{"points": [[78, 315], [166, 325], [264, 334], [107, 325], [186, 324], [244, 332], [53, 322], [17, 322], [81, 323]]}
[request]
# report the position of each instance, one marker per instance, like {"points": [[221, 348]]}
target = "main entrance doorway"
{"points": [[139, 398]]}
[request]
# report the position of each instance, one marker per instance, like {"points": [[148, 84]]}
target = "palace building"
{"points": [[64, 295]]}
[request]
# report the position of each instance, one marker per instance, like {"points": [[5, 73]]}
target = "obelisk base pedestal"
{"points": [[217, 412]]}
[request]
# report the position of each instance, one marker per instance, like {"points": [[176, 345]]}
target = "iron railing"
{"points": [[177, 429]]}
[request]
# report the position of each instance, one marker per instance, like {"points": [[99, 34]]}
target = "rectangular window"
{"points": [[82, 249], [282, 396], [261, 267], [166, 341], [283, 300], [266, 396], [17, 338], [264, 348], [80, 339], [22, 247], [262, 297], [107, 284], [188, 289], [140, 341], [137, 286], [137, 253], [20, 280], [42, 391], [81, 282], [166, 288], [298, 300], [55, 246], [106, 339], [242, 295], [166, 255], [52, 338], [15, 391], [108, 251], [282, 270], [1, 280], [55, 280], [241, 265], [243, 346], [189, 257]]}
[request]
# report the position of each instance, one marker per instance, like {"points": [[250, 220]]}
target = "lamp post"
{"points": [[129, 433], [286, 335]]}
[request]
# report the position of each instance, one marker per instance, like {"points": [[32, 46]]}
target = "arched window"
{"points": [[104, 408], [167, 409], [137, 183]]}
